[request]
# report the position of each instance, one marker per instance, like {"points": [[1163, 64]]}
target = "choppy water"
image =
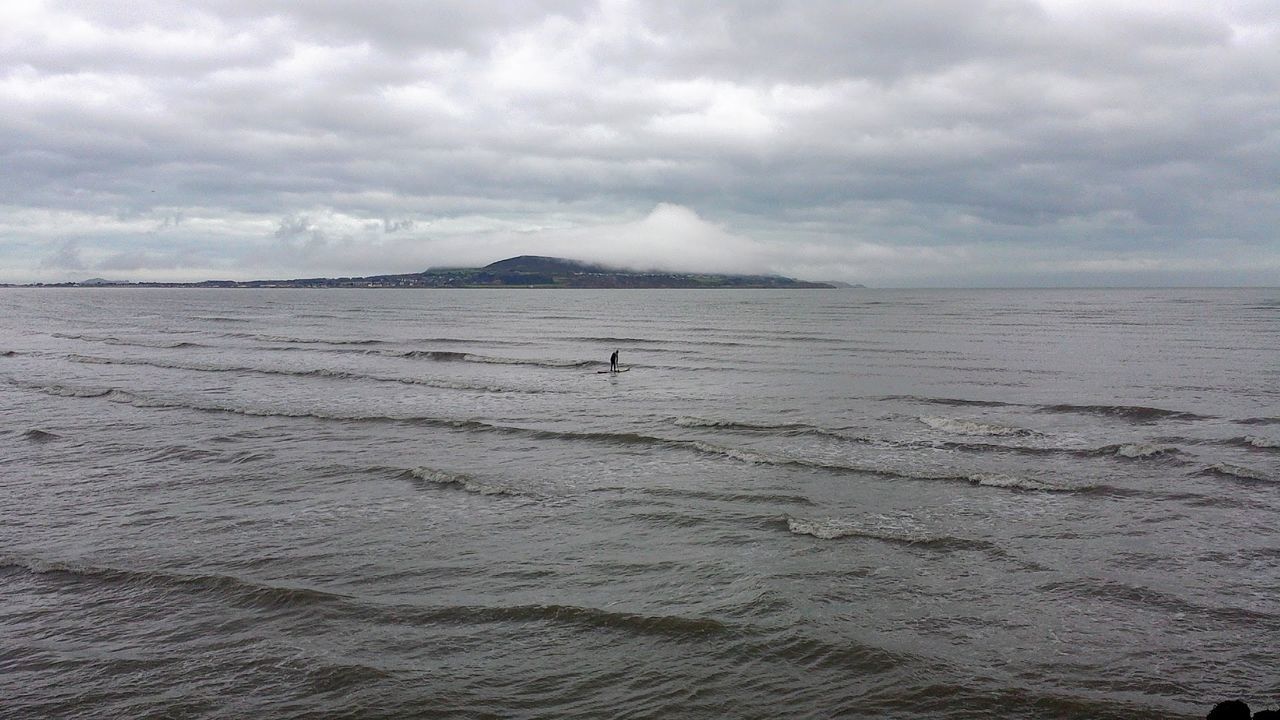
{"points": [[856, 503]]}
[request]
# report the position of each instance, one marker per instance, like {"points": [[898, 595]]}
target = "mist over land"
{"points": [[1006, 143], [526, 271]]}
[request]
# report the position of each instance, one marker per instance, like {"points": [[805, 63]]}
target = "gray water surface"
{"points": [[855, 503]]}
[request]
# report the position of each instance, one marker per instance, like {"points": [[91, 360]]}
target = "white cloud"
{"points": [[921, 142]]}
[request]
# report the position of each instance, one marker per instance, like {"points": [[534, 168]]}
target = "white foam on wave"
{"points": [[1261, 442], [466, 482], [961, 426], [1001, 480], [1139, 451], [1237, 471], [827, 529]]}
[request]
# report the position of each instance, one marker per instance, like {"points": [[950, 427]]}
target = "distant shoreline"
{"points": [[525, 272]]}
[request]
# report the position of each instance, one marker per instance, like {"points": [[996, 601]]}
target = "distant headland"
{"points": [[525, 271]]}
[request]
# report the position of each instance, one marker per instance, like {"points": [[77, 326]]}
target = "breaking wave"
{"points": [[1001, 480], [740, 454], [1257, 442], [973, 427], [984, 479], [1137, 451], [318, 373], [459, 480], [1235, 471], [835, 529]]}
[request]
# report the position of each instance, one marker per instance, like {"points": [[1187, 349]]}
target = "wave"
{"points": [[9, 353], [973, 427], [186, 453], [241, 592], [1260, 421], [984, 479], [318, 372], [1128, 451], [1136, 451], [728, 497], [835, 529], [1235, 471], [608, 340], [220, 319], [594, 618], [1135, 595], [456, 356], [306, 341], [740, 454], [1256, 441], [67, 391], [463, 481], [956, 402], [107, 340], [789, 429], [37, 435], [1001, 480], [413, 420], [1124, 451], [246, 593], [1132, 413]]}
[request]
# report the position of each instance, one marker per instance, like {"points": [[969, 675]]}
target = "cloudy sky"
{"points": [[905, 143]]}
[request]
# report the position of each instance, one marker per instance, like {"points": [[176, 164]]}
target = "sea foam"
{"points": [[973, 427]]}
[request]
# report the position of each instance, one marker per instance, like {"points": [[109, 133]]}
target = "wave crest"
{"points": [[1235, 471], [835, 529], [1001, 480], [689, 421], [1138, 451], [960, 426], [461, 480], [38, 435], [1132, 413], [318, 372]]}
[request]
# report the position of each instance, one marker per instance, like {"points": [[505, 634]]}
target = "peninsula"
{"points": [[525, 271]]}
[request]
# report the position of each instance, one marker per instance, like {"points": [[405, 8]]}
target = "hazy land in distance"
{"points": [[525, 271]]}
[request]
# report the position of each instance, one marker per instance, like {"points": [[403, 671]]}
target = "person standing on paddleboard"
{"points": [[613, 362]]}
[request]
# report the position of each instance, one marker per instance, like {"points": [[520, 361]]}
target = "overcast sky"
{"points": [[904, 143]]}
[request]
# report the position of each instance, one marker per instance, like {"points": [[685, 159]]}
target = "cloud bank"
{"points": [[1005, 142]]}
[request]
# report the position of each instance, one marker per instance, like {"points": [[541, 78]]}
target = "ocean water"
{"points": [[849, 503]]}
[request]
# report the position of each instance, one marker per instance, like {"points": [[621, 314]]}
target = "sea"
{"points": [[862, 503]]}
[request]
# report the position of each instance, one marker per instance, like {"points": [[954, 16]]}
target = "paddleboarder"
{"points": [[613, 362]]}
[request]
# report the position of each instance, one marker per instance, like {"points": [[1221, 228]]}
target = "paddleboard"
{"points": [[602, 372]]}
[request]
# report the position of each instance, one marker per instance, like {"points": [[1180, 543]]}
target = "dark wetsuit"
{"points": [[613, 362]]}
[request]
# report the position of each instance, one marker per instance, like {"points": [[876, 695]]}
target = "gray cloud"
{"points": [[65, 256], [998, 142]]}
